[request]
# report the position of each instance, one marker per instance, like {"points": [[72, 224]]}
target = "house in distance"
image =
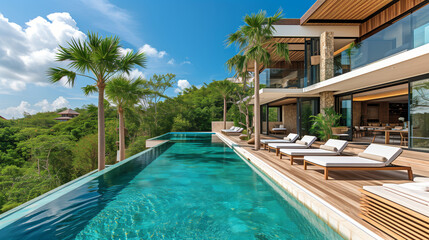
{"points": [[67, 115]]}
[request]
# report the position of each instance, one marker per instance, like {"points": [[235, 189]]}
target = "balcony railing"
{"points": [[408, 33], [282, 78]]}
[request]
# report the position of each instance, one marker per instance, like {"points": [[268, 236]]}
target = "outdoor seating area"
{"points": [[343, 191]]}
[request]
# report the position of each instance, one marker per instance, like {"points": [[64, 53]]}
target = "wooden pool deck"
{"points": [[342, 188]]}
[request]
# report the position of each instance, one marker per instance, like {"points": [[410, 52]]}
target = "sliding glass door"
{"points": [[306, 108], [344, 107]]}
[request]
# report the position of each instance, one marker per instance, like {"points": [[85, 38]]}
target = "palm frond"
{"points": [[127, 62], [89, 89], [282, 50], [56, 74]]}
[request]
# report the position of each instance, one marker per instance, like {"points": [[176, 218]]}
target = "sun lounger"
{"points": [[233, 131], [331, 148], [305, 142], [230, 129], [375, 157], [291, 138]]}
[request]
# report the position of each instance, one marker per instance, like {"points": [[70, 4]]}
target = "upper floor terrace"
{"points": [[381, 29]]}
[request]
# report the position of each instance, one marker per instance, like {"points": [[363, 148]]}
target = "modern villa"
{"points": [[367, 59]]}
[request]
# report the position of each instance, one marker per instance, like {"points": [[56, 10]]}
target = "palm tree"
{"points": [[225, 88], [254, 39], [124, 93], [101, 57]]}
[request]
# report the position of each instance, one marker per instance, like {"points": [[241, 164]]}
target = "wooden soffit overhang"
{"points": [[343, 12], [296, 52]]}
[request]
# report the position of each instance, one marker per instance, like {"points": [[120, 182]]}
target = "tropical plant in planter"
{"points": [[323, 123]]}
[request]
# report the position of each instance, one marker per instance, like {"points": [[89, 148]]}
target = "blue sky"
{"points": [[182, 37]]}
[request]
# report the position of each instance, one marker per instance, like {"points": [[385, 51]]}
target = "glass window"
{"points": [[307, 108], [275, 114], [291, 76], [264, 119], [419, 114], [420, 21], [344, 107]]}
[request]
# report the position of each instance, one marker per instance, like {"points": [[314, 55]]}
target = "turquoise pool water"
{"points": [[194, 187]]}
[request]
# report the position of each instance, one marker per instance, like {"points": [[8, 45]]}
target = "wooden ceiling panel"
{"points": [[351, 10]]}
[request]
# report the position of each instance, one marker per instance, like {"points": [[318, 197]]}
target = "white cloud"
{"points": [[171, 61], [60, 102], [18, 111], [135, 73], [41, 106], [186, 62], [182, 85], [45, 106], [124, 51], [152, 52], [27, 52]]}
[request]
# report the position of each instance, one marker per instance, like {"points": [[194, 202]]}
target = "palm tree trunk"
{"points": [[224, 112], [257, 109], [121, 134], [101, 133]]}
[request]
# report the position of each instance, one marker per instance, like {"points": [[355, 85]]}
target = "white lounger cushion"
{"points": [[340, 145], [279, 129], [292, 137], [308, 139], [275, 141], [308, 152], [340, 161], [235, 130], [390, 153], [286, 145]]}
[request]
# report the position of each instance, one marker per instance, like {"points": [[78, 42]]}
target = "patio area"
{"points": [[342, 190]]}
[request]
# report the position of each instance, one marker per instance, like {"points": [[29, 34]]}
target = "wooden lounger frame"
{"points": [[395, 220], [327, 169], [290, 157], [277, 149]]}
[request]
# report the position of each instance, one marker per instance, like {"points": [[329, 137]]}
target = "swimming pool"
{"points": [[192, 187]]}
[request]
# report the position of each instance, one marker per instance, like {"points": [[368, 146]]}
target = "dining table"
{"points": [[388, 131]]}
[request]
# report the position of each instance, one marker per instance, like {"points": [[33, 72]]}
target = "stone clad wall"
{"points": [[326, 56], [289, 117], [326, 100]]}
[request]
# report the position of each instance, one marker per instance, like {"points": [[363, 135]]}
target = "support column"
{"points": [[326, 100], [326, 56]]}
